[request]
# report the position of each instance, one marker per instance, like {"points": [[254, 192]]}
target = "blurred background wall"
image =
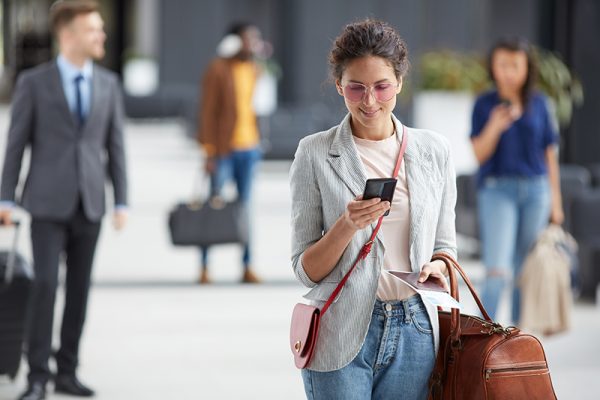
{"points": [[161, 47]]}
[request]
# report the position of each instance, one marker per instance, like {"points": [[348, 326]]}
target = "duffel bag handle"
{"points": [[198, 185], [451, 265]]}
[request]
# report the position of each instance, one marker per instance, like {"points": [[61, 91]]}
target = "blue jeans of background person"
{"points": [[394, 362], [512, 213], [241, 166]]}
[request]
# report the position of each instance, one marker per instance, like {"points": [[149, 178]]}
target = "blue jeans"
{"points": [[512, 213], [241, 166], [395, 361]]}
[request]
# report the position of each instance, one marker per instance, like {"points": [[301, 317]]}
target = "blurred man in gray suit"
{"points": [[69, 113]]}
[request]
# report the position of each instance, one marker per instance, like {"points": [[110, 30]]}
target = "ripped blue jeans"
{"points": [[395, 361]]}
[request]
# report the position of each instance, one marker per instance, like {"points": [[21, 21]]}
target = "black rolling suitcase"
{"points": [[16, 278]]}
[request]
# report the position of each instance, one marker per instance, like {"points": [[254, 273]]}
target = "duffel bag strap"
{"points": [[451, 266]]}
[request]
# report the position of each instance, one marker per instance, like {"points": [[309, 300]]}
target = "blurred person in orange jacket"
{"points": [[229, 133]]}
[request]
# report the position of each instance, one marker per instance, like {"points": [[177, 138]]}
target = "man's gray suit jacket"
{"points": [[69, 164]]}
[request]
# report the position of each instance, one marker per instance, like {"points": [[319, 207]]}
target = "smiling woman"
{"points": [[378, 339], [369, 87]]}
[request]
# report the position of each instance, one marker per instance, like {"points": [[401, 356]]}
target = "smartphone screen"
{"points": [[382, 188]]}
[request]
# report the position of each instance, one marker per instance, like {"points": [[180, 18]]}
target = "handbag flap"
{"points": [[302, 330]]}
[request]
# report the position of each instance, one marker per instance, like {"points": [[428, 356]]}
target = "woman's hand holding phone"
{"points": [[362, 213], [503, 116]]}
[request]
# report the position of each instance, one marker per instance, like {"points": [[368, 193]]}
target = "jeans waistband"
{"points": [[515, 178], [399, 308]]}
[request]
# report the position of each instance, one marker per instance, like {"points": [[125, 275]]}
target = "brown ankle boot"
{"points": [[250, 277], [204, 278]]}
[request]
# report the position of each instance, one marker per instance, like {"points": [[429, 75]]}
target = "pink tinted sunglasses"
{"points": [[355, 92]]}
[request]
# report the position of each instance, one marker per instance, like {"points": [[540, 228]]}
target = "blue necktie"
{"points": [[78, 103]]}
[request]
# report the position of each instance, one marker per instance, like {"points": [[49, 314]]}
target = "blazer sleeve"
{"points": [[19, 136], [116, 147], [209, 103], [445, 237], [307, 214]]}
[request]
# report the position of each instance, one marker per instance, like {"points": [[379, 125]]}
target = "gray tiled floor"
{"points": [[153, 334]]}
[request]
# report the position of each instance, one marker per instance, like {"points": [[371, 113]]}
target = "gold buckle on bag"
{"points": [[497, 328]]}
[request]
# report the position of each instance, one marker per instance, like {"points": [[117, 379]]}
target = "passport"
{"points": [[430, 291], [412, 279]]}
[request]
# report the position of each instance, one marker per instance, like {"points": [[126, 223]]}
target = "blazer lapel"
{"points": [[98, 92], [56, 86], [344, 159]]}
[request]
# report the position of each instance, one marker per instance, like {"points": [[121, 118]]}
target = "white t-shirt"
{"points": [[379, 159]]}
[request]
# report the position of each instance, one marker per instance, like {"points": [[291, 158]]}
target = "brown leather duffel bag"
{"points": [[479, 359]]}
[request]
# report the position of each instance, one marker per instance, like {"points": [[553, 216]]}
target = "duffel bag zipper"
{"points": [[490, 371]]}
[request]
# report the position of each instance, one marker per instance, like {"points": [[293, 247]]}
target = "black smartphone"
{"points": [[382, 188]]}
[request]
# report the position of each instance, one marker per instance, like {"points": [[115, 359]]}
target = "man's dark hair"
{"points": [[368, 38], [63, 12], [237, 28]]}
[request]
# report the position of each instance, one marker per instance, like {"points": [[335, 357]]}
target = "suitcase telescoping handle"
{"points": [[12, 254]]}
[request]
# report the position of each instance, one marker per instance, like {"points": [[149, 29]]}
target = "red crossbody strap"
{"points": [[366, 249], [401, 154]]}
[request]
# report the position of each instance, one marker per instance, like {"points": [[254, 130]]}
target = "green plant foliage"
{"points": [[557, 81], [448, 70], [455, 71]]}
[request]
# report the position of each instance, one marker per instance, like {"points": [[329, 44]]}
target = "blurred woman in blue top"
{"points": [[519, 189]]}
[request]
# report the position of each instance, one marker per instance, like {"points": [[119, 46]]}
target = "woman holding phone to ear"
{"points": [[378, 339], [518, 180]]}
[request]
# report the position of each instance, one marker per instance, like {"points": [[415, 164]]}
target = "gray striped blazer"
{"points": [[326, 174]]}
